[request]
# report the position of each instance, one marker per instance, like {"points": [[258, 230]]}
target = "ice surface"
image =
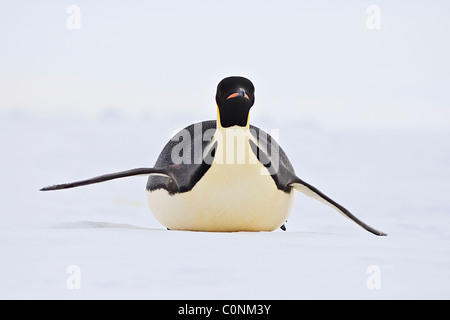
{"points": [[397, 182]]}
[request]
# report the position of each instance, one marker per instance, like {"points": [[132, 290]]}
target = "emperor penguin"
{"points": [[223, 175]]}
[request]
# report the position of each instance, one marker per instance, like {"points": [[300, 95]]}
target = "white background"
{"points": [[363, 115]]}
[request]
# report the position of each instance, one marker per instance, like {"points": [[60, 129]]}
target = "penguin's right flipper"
{"points": [[285, 179], [111, 176], [315, 193]]}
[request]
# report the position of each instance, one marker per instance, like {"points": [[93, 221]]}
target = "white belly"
{"points": [[229, 197]]}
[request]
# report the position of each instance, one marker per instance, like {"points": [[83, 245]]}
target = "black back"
{"points": [[191, 164]]}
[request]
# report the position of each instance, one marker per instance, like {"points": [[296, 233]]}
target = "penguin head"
{"points": [[234, 97]]}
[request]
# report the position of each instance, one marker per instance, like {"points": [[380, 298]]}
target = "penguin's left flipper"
{"points": [[122, 174], [315, 193]]}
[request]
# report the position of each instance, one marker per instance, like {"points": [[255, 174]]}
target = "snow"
{"points": [[396, 181]]}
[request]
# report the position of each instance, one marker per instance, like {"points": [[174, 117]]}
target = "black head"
{"points": [[235, 96]]}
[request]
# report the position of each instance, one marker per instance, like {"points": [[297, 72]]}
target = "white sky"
{"points": [[309, 62]]}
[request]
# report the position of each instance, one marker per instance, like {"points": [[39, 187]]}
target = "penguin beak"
{"points": [[239, 93], [234, 110]]}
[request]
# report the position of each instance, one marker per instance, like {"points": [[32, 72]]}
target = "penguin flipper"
{"points": [[285, 178], [316, 194], [110, 176]]}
